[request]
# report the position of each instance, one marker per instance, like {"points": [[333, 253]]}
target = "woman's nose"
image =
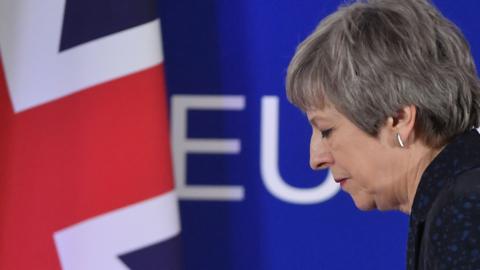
{"points": [[320, 156]]}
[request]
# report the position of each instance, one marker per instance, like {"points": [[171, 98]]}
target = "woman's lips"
{"points": [[341, 181]]}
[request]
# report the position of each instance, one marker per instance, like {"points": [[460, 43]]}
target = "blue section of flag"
{"points": [[161, 256], [86, 20]]}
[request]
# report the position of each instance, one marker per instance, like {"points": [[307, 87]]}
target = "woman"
{"points": [[391, 91]]}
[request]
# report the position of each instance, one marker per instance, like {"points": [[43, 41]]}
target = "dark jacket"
{"points": [[445, 218]]}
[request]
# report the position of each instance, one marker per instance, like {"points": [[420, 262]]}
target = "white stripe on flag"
{"points": [[30, 33], [96, 243]]}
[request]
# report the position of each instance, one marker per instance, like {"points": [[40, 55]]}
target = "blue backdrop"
{"points": [[222, 48]]}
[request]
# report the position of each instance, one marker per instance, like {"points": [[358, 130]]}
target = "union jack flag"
{"points": [[85, 167]]}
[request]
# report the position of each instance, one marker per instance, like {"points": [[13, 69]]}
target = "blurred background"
{"points": [[119, 151]]}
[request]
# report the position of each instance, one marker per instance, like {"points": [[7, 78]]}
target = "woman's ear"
{"points": [[403, 123]]}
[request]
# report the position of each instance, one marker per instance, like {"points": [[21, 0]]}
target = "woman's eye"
{"points": [[326, 133]]}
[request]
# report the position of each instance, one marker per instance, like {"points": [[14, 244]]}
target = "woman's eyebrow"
{"points": [[316, 120]]}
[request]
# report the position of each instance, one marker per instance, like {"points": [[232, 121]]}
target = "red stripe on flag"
{"points": [[78, 157]]}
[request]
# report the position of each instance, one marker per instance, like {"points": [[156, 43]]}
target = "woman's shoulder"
{"points": [[466, 185], [460, 195], [453, 224]]}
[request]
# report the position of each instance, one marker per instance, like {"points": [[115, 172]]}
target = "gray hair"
{"points": [[371, 58]]}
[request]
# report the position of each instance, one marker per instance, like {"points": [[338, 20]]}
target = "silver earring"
{"points": [[399, 139]]}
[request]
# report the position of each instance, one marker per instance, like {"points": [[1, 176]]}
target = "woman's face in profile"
{"points": [[365, 166]]}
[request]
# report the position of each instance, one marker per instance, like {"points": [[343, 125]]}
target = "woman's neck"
{"points": [[418, 159]]}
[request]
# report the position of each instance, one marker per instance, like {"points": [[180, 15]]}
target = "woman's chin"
{"points": [[365, 204]]}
